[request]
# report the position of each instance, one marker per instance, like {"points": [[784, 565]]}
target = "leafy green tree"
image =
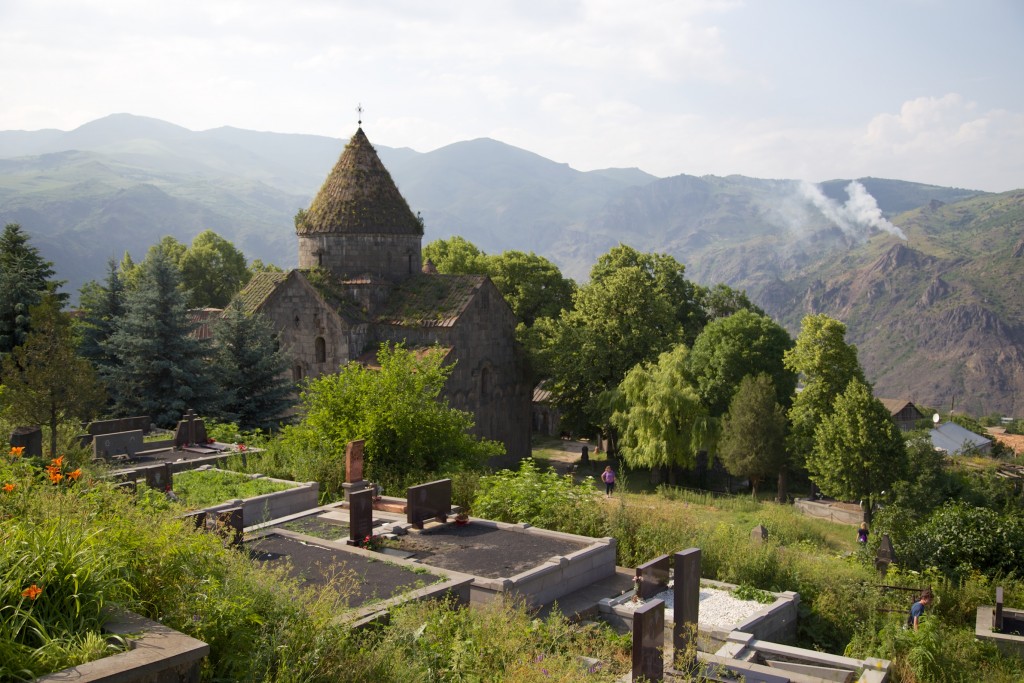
{"points": [[24, 278], [128, 271], [456, 256], [532, 285], [212, 271], [731, 348], [753, 442], [399, 411], [46, 382], [251, 370], [858, 450], [721, 301], [158, 365], [101, 306], [826, 364], [258, 266], [660, 424]]}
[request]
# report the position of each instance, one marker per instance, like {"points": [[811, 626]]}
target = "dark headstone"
{"points": [[584, 455], [159, 478], [117, 445], [121, 424], [29, 438], [997, 613], [885, 555], [354, 461], [653, 577], [686, 597], [360, 516], [191, 430], [759, 534], [649, 641], [428, 500]]}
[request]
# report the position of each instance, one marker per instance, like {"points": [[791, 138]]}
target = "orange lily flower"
{"points": [[17, 451], [32, 592], [76, 474], [55, 477], [58, 461], [8, 488]]}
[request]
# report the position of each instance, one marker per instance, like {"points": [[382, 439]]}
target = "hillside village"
{"points": [[413, 517]]}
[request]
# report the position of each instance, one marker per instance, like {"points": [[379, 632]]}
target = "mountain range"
{"points": [[927, 278]]}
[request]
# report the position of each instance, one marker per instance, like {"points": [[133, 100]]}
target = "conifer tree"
{"points": [[102, 305], [24, 278], [158, 366], [753, 440], [46, 382], [250, 369]]}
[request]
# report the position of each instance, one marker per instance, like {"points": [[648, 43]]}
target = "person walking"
{"points": [[608, 477], [917, 609], [862, 534]]}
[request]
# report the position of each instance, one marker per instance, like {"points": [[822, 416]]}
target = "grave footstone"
{"points": [[652, 577], [433, 499], [997, 613], [759, 534], [360, 516], [29, 438], [649, 641], [686, 607]]}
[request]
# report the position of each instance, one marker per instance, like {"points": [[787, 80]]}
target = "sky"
{"points": [[929, 91]]}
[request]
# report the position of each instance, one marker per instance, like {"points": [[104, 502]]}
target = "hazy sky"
{"points": [[924, 90]]}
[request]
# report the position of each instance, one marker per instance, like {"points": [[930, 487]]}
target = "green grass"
{"points": [[200, 488]]}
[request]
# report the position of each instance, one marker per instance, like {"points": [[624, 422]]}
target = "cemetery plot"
{"points": [[484, 550], [317, 526], [364, 579]]}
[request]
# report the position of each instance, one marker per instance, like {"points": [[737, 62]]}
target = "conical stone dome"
{"points": [[358, 197]]}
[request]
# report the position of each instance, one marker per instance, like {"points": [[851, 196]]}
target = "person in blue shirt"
{"points": [[917, 609]]}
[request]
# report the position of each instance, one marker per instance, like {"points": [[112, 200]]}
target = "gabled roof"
{"points": [[259, 289], [201, 319], [359, 197], [954, 439], [896, 405], [430, 300]]}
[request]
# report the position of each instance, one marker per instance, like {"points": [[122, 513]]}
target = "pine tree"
{"points": [[158, 366], [102, 305], [24, 278], [753, 440], [250, 368], [46, 382]]}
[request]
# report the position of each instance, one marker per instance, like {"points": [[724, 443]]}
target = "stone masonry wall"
{"points": [[393, 257]]}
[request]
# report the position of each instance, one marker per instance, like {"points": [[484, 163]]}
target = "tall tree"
{"points": [[399, 411], [754, 432], [158, 368], [212, 271], [532, 285], [858, 450], [250, 369], [46, 382], [731, 348], [24, 278], [660, 422], [721, 301], [101, 306], [456, 256], [826, 364]]}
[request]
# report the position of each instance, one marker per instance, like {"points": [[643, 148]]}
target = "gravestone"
{"points": [[354, 468], [191, 430], [649, 641], [584, 455], [686, 607], [428, 500], [360, 516], [29, 438], [759, 534], [652, 577], [117, 445], [228, 524], [997, 613], [886, 555], [159, 478], [121, 424]]}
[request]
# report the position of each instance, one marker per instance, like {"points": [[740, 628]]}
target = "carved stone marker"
{"points": [[428, 500], [759, 534], [354, 461], [886, 555], [159, 478], [585, 455], [653, 577], [117, 446], [29, 438], [360, 516], [686, 607], [191, 430], [649, 641]]}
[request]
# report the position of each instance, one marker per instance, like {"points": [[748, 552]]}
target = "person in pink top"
{"points": [[608, 477]]}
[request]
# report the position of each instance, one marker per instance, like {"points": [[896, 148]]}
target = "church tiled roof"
{"points": [[430, 300], [260, 287], [358, 197]]}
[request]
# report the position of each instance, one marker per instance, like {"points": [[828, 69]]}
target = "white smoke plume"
{"points": [[857, 217]]}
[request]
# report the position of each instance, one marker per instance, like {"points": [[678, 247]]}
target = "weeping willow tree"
{"points": [[660, 418]]}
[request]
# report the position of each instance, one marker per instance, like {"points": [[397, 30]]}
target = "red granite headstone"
{"points": [[354, 461]]}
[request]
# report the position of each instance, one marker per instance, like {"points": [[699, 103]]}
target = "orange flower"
{"points": [[58, 461], [17, 451], [8, 488], [76, 474], [55, 477], [32, 592]]}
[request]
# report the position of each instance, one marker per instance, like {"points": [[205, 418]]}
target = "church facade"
{"points": [[361, 282]]}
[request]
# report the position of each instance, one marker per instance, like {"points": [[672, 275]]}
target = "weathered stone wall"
{"points": [[392, 257], [302, 318], [489, 378]]}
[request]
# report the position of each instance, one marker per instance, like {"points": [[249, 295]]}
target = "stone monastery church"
{"points": [[361, 282]]}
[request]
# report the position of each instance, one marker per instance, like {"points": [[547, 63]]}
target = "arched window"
{"points": [[297, 373], [485, 381], [321, 350]]}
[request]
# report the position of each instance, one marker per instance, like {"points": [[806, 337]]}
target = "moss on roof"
{"points": [[358, 197], [430, 300], [334, 292], [259, 289]]}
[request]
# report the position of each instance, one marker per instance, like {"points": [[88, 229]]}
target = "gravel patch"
{"points": [[718, 608]]}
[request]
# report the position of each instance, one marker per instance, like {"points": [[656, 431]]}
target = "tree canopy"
{"points": [[212, 271], [754, 432], [24, 278]]}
